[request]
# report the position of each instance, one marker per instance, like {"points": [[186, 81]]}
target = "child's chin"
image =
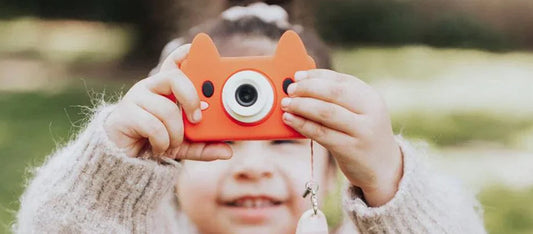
{"points": [[254, 216], [263, 229], [274, 219]]}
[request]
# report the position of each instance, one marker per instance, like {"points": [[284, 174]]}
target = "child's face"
{"points": [[259, 190]]}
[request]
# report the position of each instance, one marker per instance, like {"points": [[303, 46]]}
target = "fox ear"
{"points": [[290, 48], [203, 49]]}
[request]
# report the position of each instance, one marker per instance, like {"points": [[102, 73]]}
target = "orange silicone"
{"points": [[204, 63]]}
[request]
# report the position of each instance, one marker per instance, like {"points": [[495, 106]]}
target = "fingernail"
{"points": [[291, 88], [285, 103], [197, 116], [226, 154], [288, 117], [300, 75]]}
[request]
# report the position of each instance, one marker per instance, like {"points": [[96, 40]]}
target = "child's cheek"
{"points": [[198, 184]]}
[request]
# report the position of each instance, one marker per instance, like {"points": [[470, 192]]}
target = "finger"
{"points": [[352, 97], [320, 133], [148, 126], [325, 113], [175, 57], [166, 111], [204, 151], [314, 73], [176, 83], [336, 77]]}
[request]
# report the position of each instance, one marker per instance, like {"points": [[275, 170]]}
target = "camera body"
{"points": [[243, 93]]}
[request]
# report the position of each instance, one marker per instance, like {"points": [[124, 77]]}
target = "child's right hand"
{"points": [[144, 116]]}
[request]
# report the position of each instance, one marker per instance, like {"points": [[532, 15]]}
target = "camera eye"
{"points": [[286, 84], [246, 95], [208, 89]]}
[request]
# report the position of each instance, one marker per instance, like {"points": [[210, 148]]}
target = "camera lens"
{"points": [[246, 95]]}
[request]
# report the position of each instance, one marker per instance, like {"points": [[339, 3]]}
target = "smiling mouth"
{"points": [[254, 202]]}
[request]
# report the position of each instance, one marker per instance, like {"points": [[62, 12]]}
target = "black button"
{"points": [[286, 84], [208, 89]]}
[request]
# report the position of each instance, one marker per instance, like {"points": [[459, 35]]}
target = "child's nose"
{"points": [[253, 168], [251, 174]]}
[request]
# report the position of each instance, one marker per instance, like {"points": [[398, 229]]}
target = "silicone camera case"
{"points": [[243, 93]]}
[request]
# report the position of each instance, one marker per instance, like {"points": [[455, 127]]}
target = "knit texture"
{"points": [[91, 186], [424, 203]]}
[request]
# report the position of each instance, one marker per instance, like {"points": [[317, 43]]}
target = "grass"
{"points": [[31, 125], [507, 210], [456, 128]]}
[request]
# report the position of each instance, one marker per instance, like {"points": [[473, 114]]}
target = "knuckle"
{"points": [[201, 153], [124, 108], [137, 90], [170, 112], [367, 135], [350, 142], [178, 139], [168, 76], [320, 131], [336, 92], [193, 103], [296, 104], [326, 112], [182, 150], [302, 124], [323, 73], [304, 87], [174, 72], [191, 100], [194, 152], [131, 94], [156, 129], [316, 131]]}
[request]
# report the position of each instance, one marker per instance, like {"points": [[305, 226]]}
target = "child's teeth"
{"points": [[248, 203], [267, 203], [253, 203]]}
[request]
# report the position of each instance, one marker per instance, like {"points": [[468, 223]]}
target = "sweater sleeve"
{"points": [[91, 186], [424, 203]]}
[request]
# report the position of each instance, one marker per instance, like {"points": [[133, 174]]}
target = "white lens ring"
{"points": [[261, 107]]}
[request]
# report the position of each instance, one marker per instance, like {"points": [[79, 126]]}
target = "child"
{"points": [[121, 174]]}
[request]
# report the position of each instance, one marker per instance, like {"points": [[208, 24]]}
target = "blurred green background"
{"points": [[457, 76]]}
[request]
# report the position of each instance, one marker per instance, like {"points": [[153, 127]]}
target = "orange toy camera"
{"points": [[243, 93]]}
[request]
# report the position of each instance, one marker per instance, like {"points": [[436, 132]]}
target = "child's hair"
{"points": [[256, 21]]}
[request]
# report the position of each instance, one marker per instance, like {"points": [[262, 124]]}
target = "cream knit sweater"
{"points": [[91, 186]]}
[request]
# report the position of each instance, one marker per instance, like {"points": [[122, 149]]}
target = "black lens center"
{"points": [[246, 95]]}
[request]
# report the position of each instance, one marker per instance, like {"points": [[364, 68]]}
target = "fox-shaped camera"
{"points": [[243, 93]]}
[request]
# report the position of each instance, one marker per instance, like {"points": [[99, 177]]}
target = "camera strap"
{"points": [[313, 220]]}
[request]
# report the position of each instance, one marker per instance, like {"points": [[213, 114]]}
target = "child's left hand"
{"points": [[350, 119]]}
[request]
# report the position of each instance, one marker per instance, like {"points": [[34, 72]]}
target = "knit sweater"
{"points": [[91, 186]]}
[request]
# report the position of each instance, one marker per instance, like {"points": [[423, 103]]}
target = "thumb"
{"points": [[203, 151]]}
